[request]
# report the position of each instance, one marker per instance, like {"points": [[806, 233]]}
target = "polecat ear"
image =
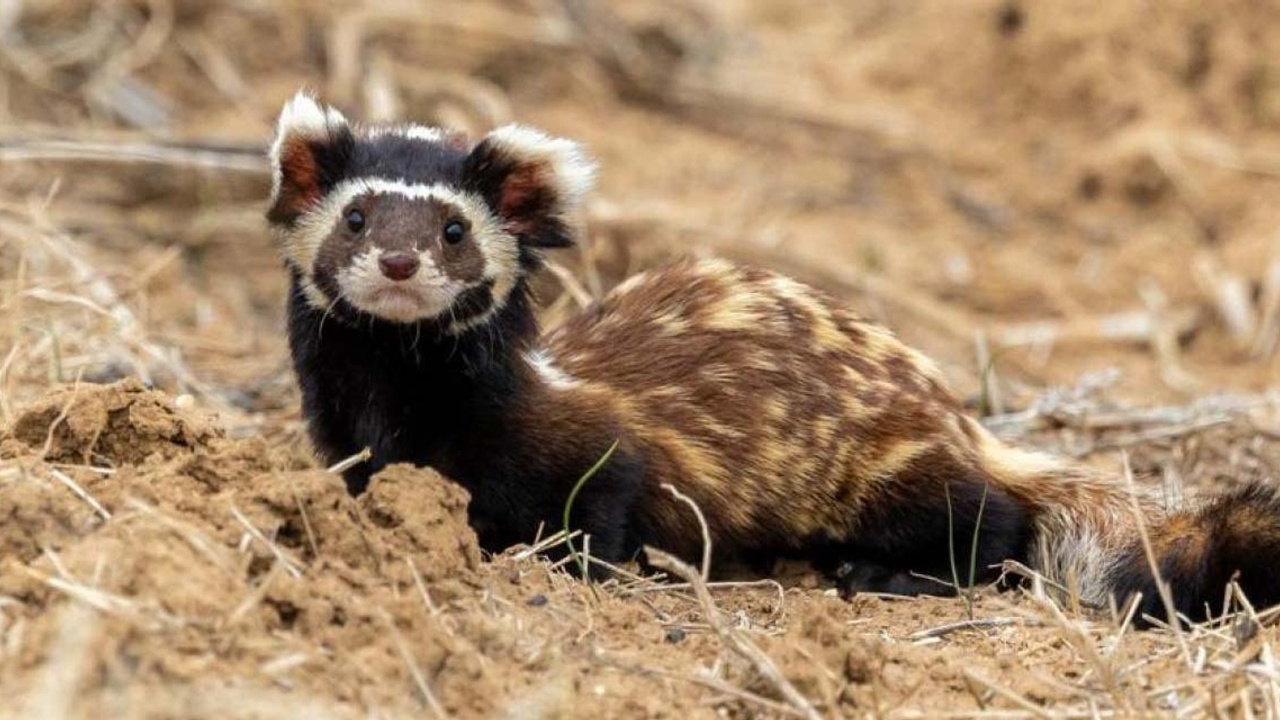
{"points": [[530, 180], [310, 154]]}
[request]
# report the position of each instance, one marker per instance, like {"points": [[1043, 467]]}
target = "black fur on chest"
{"points": [[467, 406]]}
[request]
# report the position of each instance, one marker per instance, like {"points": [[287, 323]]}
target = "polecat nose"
{"points": [[398, 265]]}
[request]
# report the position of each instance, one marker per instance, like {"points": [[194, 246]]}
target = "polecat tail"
{"points": [[1086, 536]]}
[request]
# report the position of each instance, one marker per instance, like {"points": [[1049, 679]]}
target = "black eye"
{"points": [[355, 220], [454, 233]]}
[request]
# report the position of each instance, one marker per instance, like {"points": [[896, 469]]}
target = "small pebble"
{"points": [[538, 600]]}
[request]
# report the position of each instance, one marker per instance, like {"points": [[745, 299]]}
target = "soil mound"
{"points": [[142, 549], [117, 424]]}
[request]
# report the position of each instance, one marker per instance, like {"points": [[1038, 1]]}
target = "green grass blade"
{"points": [[973, 550], [951, 540], [573, 495], [977, 528]]}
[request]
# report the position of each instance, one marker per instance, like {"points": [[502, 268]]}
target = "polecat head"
{"points": [[408, 223]]}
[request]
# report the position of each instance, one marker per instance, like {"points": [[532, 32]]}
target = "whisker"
{"points": [[325, 316]]}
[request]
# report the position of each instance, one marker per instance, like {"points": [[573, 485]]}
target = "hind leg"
{"points": [[928, 525]]}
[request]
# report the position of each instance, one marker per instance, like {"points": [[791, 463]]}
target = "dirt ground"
{"points": [[1068, 203]]}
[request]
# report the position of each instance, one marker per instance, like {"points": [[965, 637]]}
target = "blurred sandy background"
{"points": [[1074, 185]]}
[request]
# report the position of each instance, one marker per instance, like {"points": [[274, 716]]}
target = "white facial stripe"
{"points": [[315, 298], [303, 242], [409, 132]]}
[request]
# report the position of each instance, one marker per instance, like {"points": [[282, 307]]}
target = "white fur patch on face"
{"points": [[499, 248], [315, 298], [302, 117], [408, 132], [428, 294], [573, 172]]}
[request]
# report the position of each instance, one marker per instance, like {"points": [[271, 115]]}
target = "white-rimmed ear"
{"points": [[532, 181], [312, 146]]}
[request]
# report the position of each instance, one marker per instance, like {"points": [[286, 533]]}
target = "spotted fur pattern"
{"points": [[800, 429], [774, 399], [810, 432]]}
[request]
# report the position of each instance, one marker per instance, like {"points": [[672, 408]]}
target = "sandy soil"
{"points": [[203, 576], [1068, 186]]}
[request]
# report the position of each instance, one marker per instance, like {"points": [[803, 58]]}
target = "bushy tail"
{"points": [[1199, 551], [1086, 536]]}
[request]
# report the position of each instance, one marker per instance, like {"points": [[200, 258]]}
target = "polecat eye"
{"points": [[454, 232], [355, 220]]}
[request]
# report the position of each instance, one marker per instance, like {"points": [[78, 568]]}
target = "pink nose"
{"points": [[398, 265]]}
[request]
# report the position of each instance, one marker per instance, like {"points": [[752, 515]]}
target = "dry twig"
{"points": [[733, 638]]}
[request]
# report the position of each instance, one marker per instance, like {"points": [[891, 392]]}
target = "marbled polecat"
{"points": [[800, 429]]}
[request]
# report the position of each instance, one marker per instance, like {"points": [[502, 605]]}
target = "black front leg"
{"points": [[330, 430], [511, 511], [353, 392], [605, 514]]}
